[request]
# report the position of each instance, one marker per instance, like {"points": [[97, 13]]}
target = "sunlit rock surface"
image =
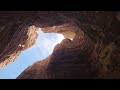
{"points": [[94, 51]]}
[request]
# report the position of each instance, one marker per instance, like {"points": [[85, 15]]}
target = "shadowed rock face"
{"points": [[18, 32], [93, 53], [66, 62]]}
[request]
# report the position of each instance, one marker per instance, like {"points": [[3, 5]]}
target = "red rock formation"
{"points": [[66, 62], [93, 53], [17, 30]]}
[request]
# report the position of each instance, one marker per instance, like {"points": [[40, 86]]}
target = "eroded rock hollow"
{"points": [[93, 53]]}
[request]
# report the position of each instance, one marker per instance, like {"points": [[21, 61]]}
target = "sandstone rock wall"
{"points": [[93, 53], [15, 36], [18, 32]]}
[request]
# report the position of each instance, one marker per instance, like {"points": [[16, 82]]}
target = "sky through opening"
{"points": [[40, 50]]}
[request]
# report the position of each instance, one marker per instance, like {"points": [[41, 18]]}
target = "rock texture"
{"points": [[66, 62], [18, 32], [15, 36], [93, 53]]}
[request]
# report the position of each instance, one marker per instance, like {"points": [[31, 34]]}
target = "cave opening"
{"points": [[42, 48]]}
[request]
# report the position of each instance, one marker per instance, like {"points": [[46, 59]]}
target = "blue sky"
{"points": [[40, 50]]}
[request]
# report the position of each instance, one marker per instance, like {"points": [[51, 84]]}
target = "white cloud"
{"points": [[47, 41]]}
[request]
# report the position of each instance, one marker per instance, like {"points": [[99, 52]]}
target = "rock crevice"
{"points": [[94, 51]]}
